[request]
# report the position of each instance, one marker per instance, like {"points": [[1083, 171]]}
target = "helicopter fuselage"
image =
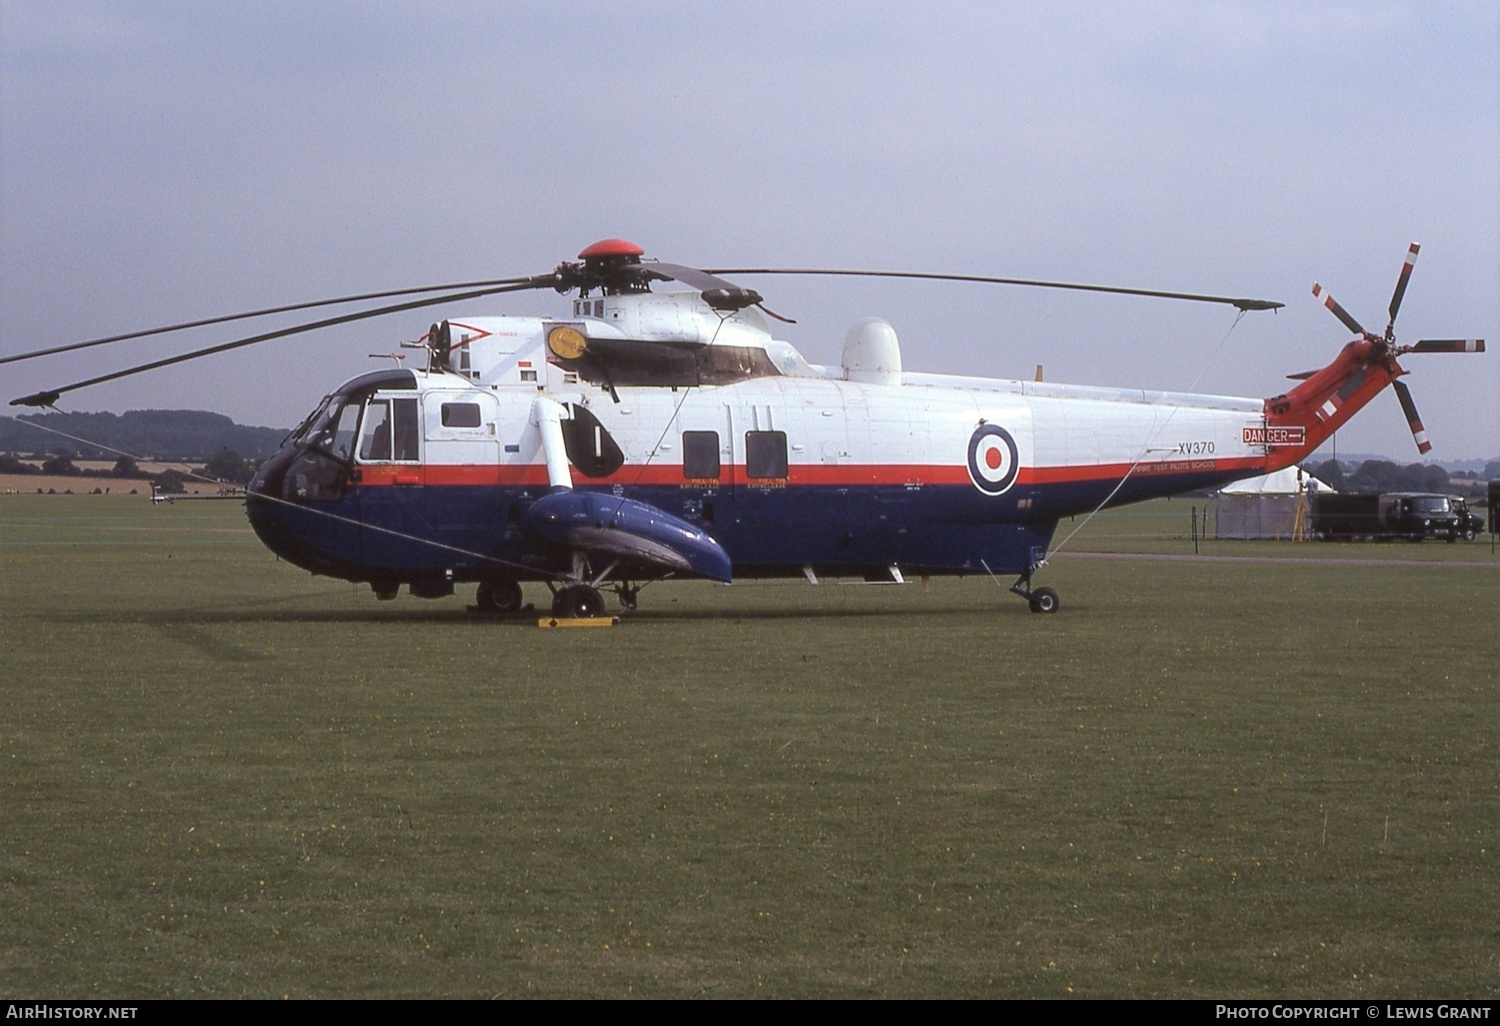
{"points": [[429, 477]]}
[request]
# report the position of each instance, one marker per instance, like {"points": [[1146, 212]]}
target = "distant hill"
{"points": [[147, 434]]}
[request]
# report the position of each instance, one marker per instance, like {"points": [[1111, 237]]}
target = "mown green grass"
{"points": [[222, 777]]}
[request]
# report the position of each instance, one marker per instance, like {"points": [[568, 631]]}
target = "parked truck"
{"points": [[1409, 515]]}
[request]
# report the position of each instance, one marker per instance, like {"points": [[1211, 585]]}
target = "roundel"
{"points": [[993, 461]]}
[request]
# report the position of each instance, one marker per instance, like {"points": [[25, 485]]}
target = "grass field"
{"points": [[225, 778]]}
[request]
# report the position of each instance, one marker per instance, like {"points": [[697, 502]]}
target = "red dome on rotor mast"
{"points": [[606, 248]]}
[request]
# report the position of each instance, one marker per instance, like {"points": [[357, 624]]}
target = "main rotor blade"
{"points": [[718, 293], [1409, 407], [1411, 261], [541, 280], [1448, 345], [1338, 311], [1241, 304], [50, 397]]}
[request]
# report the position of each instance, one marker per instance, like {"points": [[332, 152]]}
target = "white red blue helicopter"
{"points": [[653, 432]]}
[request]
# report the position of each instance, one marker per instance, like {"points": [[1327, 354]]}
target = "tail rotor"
{"points": [[1383, 349]]}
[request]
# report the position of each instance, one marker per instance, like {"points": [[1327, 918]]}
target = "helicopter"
{"points": [[651, 433]]}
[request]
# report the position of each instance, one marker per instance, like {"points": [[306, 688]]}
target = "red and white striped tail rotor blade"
{"points": [[1418, 433], [1411, 261], [1449, 345], [1338, 311]]}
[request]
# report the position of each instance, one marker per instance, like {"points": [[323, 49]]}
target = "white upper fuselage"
{"points": [[838, 431]]}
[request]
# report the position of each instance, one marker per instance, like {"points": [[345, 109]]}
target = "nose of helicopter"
{"points": [[269, 511], [267, 480]]}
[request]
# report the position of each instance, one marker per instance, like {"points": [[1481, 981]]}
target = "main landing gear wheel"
{"points": [[498, 597], [1044, 600], [578, 602]]}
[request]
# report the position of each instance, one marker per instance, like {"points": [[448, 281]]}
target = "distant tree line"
{"points": [[168, 435], [1377, 476], [225, 466], [60, 464]]}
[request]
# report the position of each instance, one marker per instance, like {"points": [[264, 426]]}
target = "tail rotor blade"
{"points": [[1418, 433], [1338, 311], [1449, 345], [1411, 261]]}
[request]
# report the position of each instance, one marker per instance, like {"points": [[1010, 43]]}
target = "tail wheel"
{"points": [[1044, 600]]}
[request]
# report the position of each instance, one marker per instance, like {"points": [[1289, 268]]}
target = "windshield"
{"points": [[315, 417], [331, 426], [1429, 504]]}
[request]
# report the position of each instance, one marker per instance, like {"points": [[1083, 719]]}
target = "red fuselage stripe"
{"points": [[535, 475]]}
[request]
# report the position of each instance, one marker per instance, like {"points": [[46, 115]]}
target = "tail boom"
{"points": [[1306, 416]]}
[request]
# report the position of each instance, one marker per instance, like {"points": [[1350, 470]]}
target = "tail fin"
{"points": [[1299, 421]]}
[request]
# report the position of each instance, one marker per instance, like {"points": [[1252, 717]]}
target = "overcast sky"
{"points": [[164, 161]]}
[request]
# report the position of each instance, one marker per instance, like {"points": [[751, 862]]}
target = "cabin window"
{"points": [[390, 430], [461, 415], [765, 454], [700, 454]]}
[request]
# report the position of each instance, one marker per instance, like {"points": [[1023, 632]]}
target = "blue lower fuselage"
{"points": [[394, 533]]}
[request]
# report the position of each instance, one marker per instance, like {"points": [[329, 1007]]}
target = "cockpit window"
{"points": [[341, 435], [390, 430], [331, 427]]}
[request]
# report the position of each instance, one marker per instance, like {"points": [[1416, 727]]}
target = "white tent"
{"points": [[1265, 506], [1282, 482]]}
